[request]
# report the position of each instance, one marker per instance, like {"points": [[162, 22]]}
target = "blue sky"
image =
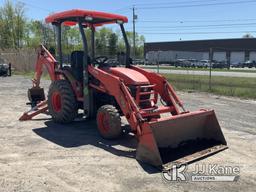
{"points": [[228, 19]]}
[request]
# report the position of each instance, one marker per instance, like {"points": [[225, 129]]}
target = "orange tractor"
{"points": [[167, 134]]}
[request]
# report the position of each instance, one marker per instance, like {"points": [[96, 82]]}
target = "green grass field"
{"points": [[230, 86]]}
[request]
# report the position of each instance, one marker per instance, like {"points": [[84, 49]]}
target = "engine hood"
{"points": [[129, 76]]}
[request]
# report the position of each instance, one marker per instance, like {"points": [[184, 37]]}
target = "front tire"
{"points": [[62, 103], [109, 122]]}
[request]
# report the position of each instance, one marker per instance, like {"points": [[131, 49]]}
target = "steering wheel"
{"points": [[101, 61]]}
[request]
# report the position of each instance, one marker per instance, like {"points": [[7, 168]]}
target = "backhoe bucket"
{"points": [[180, 139], [36, 94]]}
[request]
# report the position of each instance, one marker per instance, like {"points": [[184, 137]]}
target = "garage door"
{"points": [[219, 56], [237, 57], [252, 56], [205, 56]]}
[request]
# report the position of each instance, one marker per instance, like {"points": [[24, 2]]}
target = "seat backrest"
{"points": [[77, 58]]}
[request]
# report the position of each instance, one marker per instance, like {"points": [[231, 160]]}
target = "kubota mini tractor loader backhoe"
{"points": [[166, 133]]}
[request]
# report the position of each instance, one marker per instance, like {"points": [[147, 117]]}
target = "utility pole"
{"points": [[210, 74], [158, 62], [134, 18]]}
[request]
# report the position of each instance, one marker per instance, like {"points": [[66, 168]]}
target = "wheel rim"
{"points": [[104, 120], [56, 101]]}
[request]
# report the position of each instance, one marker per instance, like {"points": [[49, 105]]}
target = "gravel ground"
{"points": [[39, 155]]}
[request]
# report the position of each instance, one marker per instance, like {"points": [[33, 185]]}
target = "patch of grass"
{"points": [[230, 86]]}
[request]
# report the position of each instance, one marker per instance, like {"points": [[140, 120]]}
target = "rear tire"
{"points": [[109, 122], [62, 103]]}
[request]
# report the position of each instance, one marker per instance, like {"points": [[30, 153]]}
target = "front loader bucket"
{"points": [[180, 139]]}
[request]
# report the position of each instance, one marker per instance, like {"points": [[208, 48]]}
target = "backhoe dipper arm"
{"points": [[44, 57]]}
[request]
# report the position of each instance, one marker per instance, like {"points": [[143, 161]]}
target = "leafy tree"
{"points": [[7, 19], [140, 39], [17, 32], [112, 44], [248, 35], [139, 51], [19, 24], [102, 36], [34, 33], [74, 39], [12, 22]]}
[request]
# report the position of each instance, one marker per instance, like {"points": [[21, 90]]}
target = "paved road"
{"points": [[214, 73], [166, 70]]}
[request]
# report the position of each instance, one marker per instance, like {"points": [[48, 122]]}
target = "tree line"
{"points": [[17, 31]]}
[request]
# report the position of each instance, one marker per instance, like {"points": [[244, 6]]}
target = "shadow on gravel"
{"points": [[85, 133]]}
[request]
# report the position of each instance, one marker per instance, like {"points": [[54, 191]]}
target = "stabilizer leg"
{"points": [[41, 107]]}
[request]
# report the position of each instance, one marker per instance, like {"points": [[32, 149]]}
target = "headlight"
{"points": [[145, 89]]}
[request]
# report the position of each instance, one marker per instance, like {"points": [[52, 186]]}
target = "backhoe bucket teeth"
{"points": [[180, 139]]}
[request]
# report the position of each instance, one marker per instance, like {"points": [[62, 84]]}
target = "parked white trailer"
{"points": [[189, 55], [154, 57], [166, 56]]}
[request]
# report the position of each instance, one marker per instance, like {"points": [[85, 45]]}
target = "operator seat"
{"points": [[77, 58]]}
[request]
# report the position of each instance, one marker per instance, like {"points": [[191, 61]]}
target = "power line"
{"points": [[195, 33], [192, 29], [160, 3], [174, 3], [195, 28], [123, 9], [194, 21], [200, 26], [177, 4], [198, 5], [155, 30], [35, 6]]}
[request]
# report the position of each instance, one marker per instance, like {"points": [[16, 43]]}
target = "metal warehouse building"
{"points": [[230, 51]]}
